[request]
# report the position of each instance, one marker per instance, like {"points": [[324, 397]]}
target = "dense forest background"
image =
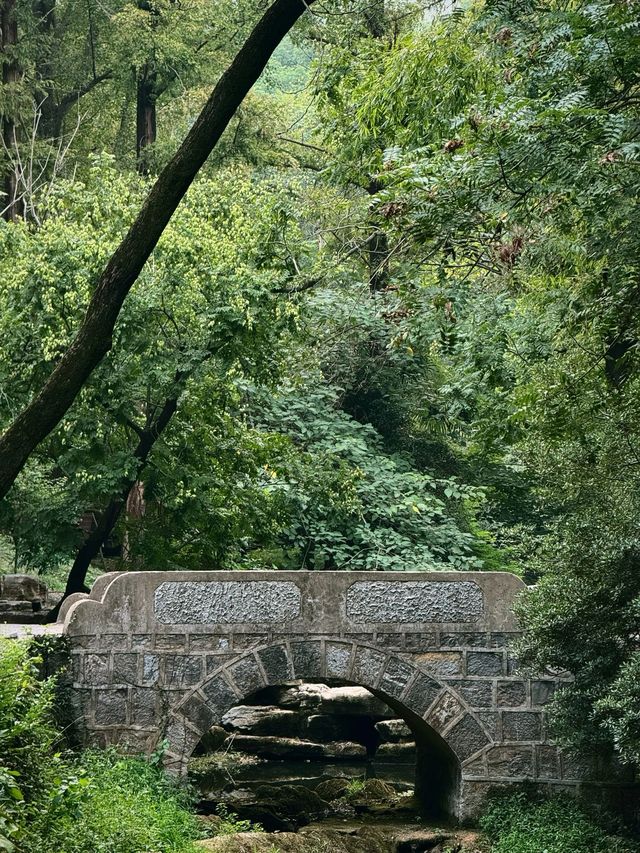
{"points": [[392, 326]]}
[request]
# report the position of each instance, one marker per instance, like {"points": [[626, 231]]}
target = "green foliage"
{"points": [[230, 824], [516, 824], [96, 802]]}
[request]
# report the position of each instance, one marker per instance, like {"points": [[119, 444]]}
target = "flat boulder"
{"points": [[393, 731], [281, 748], [262, 720]]}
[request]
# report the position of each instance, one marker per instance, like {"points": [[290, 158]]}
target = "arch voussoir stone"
{"points": [[163, 655]]}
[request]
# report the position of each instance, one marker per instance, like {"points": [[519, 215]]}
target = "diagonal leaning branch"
{"points": [[94, 337]]}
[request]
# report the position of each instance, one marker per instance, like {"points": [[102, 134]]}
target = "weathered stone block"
{"points": [[111, 707], [96, 669], [485, 663], [214, 662], [490, 721], [463, 639], [477, 694], [338, 660], [182, 740], [247, 675], [143, 706], [521, 725], [243, 641], [581, 767], [420, 641], [441, 663], [446, 709], [208, 643], [219, 694], [502, 640], [542, 692], [226, 602], [116, 641], [125, 668], [141, 641], [307, 659], [466, 737], [182, 670], [421, 694], [414, 601], [510, 762], [171, 642], [150, 669], [547, 761], [397, 675], [511, 694], [276, 663], [368, 666], [202, 716], [389, 641]]}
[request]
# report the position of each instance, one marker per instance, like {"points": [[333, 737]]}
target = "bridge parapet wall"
{"points": [[162, 656]]}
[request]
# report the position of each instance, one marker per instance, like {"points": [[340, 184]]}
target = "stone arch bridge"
{"points": [[161, 656]]}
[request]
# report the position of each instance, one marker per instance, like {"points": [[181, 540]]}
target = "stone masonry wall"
{"points": [[162, 656]]}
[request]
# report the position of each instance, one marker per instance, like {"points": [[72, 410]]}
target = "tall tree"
{"points": [[94, 338], [10, 78]]}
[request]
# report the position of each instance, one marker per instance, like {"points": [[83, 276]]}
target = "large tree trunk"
{"points": [[10, 77], [93, 339], [145, 117]]}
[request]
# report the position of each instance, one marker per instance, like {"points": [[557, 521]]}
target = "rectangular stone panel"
{"points": [[143, 710], [521, 725], [542, 692], [276, 664], [96, 669], [442, 664], [445, 711], [511, 694], [511, 762], [338, 660], [111, 707], [405, 602], [125, 668], [548, 761], [171, 642], [367, 666], [307, 659], [463, 639], [477, 694], [150, 669], [201, 715], [219, 693], [421, 641], [485, 663], [389, 641], [141, 641], [214, 662], [182, 670], [226, 602], [208, 643]]}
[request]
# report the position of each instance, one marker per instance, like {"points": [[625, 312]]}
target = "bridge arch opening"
{"points": [[440, 724], [253, 746]]}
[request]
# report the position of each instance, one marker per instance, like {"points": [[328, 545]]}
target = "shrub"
{"points": [[517, 824], [95, 802], [116, 804]]}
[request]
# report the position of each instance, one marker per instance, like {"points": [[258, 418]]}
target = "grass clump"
{"points": [[519, 824]]}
